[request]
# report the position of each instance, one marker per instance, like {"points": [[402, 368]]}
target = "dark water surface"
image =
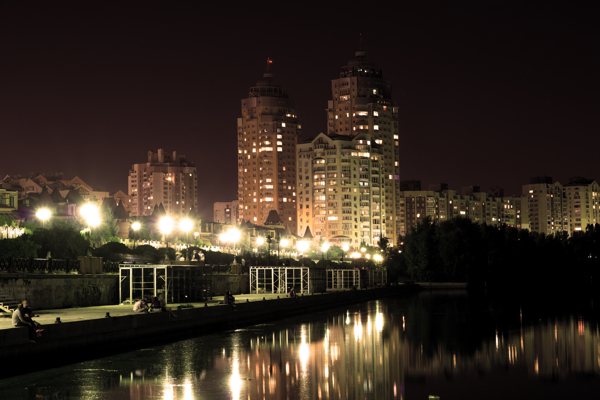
{"points": [[411, 347]]}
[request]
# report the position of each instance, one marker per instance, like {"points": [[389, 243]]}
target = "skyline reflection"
{"points": [[399, 348]]}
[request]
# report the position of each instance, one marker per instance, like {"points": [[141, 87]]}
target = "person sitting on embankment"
{"points": [[18, 319], [140, 306], [159, 303], [229, 299]]}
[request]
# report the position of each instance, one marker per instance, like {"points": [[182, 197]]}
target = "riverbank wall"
{"points": [[51, 291], [77, 340]]}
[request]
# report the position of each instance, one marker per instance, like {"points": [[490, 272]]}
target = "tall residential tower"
{"points": [[362, 103], [168, 179], [267, 135]]}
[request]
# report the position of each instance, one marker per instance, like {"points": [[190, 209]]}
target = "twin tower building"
{"points": [[343, 185]]}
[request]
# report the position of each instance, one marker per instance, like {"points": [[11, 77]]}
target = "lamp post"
{"points": [[165, 225], [44, 215], [136, 227], [302, 246], [91, 214], [234, 236], [186, 226], [345, 248], [378, 258], [324, 249], [269, 240]]}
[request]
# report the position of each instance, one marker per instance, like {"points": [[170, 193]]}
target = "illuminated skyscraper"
{"points": [[168, 179], [362, 103], [267, 135]]}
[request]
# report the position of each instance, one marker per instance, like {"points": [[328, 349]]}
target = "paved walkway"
{"points": [[46, 317]]}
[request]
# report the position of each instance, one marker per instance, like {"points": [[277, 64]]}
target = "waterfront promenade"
{"points": [[87, 333]]}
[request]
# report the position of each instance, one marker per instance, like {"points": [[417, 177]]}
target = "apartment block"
{"points": [[581, 204], [267, 135], [166, 178], [545, 209], [362, 104], [226, 212], [341, 195]]}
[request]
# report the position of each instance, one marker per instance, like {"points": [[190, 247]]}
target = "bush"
{"points": [[20, 247], [112, 251]]}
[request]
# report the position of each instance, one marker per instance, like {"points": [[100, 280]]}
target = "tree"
{"points": [[20, 247], [62, 243]]}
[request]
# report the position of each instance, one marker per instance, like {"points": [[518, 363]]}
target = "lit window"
{"points": [[283, 124], [376, 127], [279, 149], [375, 114]]}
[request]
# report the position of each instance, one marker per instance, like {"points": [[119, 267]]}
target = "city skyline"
{"points": [[491, 93]]}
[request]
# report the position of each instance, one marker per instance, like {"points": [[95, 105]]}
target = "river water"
{"points": [[421, 346]]}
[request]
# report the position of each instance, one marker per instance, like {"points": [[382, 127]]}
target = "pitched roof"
{"points": [[307, 234], [45, 199], [56, 197], [121, 212], [73, 197], [108, 203], [273, 218]]}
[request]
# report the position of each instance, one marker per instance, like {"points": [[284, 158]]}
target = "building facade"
{"points": [[226, 212], [444, 204], [341, 195], [267, 135], [581, 208], [166, 178], [545, 208], [362, 103]]}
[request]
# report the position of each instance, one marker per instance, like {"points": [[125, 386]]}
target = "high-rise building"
{"points": [[168, 179], [581, 204], [226, 212], [362, 103], [545, 209], [267, 135], [340, 189]]}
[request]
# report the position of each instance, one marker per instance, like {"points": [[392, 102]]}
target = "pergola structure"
{"points": [[279, 279], [178, 283], [343, 278]]}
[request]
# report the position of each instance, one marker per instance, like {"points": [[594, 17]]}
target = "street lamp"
{"points": [[136, 227], [378, 258], [44, 215], [165, 225], [345, 248], [302, 246], [324, 249], [186, 225], [260, 241], [91, 214]]}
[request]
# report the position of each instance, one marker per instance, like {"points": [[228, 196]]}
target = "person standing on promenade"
{"points": [[19, 319]]}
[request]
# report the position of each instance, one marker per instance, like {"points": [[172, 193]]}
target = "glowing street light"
{"points": [[378, 257], [44, 215], [302, 246], [186, 226], [345, 248], [260, 241], [165, 225], [136, 227], [324, 249], [91, 214]]}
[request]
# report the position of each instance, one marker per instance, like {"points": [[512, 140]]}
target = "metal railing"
{"points": [[40, 265]]}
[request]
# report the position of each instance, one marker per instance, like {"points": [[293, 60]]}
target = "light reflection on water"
{"points": [[401, 348]]}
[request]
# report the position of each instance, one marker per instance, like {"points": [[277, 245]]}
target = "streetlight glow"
{"points": [[43, 214], [186, 225], [325, 247], [285, 243], [302, 246], [91, 214], [378, 257], [260, 240], [165, 224], [345, 246], [136, 226]]}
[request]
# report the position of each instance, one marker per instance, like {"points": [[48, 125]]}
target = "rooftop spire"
{"points": [[268, 73], [360, 52]]}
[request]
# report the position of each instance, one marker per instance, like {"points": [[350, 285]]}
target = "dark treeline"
{"points": [[503, 258]]}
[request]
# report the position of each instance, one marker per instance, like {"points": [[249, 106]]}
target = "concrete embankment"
{"points": [[77, 340]]}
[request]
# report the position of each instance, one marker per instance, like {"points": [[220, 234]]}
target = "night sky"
{"points": [[490, 92]]}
